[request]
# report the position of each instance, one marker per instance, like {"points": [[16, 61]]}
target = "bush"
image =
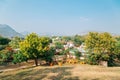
{"points": [[19, 57], [77, 54], [95, 58], [6, 56], [48, 56]]}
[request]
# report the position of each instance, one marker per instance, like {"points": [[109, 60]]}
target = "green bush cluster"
{"points": [[95, 58]]}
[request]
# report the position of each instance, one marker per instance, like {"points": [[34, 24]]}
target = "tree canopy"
{"points": [[100, 42], [101, 46], [34, 46]]}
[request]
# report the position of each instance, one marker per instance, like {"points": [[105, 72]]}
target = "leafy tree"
{"points": [[15, 42], [100, 42], [4, 41], [78, 40], [101, 45], [59, 45], [34, 46]]}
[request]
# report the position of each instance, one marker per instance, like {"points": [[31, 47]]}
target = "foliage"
{"points": [[48, 56], [100, 42], [18, 57], [78, 40], [66, 38], [59, 45], [100, 46], [4, 41], [78, 55], [117, 50], [93, 59], [15, 42], [3, 47], [64, 52], [34, 46], [6, 55]]}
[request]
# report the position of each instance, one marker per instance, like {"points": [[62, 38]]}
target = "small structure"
{"points": [[103, 63]]}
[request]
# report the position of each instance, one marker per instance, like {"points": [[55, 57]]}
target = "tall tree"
{"points": [[100, 42], [34, 46], [101, 46]]}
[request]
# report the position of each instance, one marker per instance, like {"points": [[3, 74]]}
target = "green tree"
{"points": [[15, 42], [101, 44], [59, 45], [4, 41], [78, 40], [34, 46]]}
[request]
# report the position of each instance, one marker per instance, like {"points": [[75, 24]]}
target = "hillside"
{"points": [[7, 31], [65, 72]]}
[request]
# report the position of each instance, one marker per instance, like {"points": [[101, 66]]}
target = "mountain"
{"points": [[7, 31]]}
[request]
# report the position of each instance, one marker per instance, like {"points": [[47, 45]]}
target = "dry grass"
{"points": [[66, 72]]}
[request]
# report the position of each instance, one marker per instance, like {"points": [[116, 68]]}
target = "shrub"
{"points": [[48, 56], [6, 55], [19, 57], [95, 58]]}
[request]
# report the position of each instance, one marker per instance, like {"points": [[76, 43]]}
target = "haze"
{"points": [[66, 17]]}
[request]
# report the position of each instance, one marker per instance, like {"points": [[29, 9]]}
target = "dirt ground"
{"points": [[64, 72]]}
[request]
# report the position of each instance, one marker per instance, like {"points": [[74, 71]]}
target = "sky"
{"points": [[67, 17]]}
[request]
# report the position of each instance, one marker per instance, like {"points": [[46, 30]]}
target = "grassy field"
{"points": [[65, 72]]}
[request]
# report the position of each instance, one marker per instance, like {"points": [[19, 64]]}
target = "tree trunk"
{"points": [[36, 61]]}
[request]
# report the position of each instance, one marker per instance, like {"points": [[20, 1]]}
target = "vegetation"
{"points": [[14, 43], [78, 40], [19, 57], [33, 47], [6, 55], [98, 47], [101, 46]]}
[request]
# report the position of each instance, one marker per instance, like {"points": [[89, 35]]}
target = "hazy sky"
{"points": [[61, 16]]}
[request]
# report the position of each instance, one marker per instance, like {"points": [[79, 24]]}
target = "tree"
{"points": [[59, 45], [34, 46], [4, 41], [101, 44], [77, 40], [15, 42]]}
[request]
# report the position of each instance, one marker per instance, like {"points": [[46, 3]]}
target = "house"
{"points": [[69, 45]]}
